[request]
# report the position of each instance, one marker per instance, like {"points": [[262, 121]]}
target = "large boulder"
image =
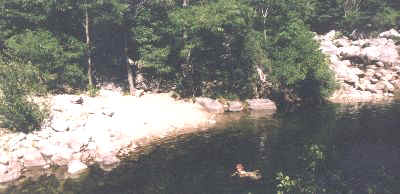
{"points": [[211, 105], [59, 125], [381, 50], [392, 33], [346, 73], [235, 106], [371, 54], [10, 172], [261, 104], [76, 167], [62, 157], [4, 157], [350, 52], [33, 158]]}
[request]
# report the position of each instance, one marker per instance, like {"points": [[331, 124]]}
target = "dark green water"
{"points": [[333, 149]]}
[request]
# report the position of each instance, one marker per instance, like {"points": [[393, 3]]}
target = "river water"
{"points": [[348, 149]]}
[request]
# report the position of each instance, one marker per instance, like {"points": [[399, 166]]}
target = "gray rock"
{"points": [[261, 104], [210, 105]]}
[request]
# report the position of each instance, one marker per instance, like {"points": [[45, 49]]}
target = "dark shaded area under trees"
{"points": [[212, 48]]}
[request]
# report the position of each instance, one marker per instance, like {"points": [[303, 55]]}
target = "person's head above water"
{"points": [[239, 167]]}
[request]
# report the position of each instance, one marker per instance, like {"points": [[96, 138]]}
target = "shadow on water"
{"points": [[332, 149]]}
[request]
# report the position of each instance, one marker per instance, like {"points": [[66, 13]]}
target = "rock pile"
{"points": [[83, 130], [366, 69]]}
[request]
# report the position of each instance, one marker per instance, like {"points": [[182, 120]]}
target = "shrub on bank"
{"points": [[19, 81]]}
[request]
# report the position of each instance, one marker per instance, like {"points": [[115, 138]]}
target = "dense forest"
{"points": [[216, 48]]}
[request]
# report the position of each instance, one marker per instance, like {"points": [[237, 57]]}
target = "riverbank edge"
{"points": [[68, 151], [37, 155]]}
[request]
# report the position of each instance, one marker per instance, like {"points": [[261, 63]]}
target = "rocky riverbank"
{"points": [[82, 130], [366, 69]]}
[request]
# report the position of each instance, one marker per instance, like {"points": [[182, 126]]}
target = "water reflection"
{"points": [[332, 149]]}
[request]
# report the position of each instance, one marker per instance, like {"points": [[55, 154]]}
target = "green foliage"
{"points": [[298, 64], [307, 182], [58, 65], [209, 48], [93, 91], [18, 83]]}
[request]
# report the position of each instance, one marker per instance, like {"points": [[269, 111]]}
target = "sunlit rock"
{"points": [[392, 33], [235, 106], [4, 157], [33, 158], [12, 172], [62, 156], [76, 167], [350, 52], [261, 104], [210, 105]]}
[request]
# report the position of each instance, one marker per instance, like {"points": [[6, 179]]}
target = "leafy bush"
{"points": [[18, 82], [58, 65], [298, 66]]}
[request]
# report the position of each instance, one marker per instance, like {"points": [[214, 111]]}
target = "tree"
{"points": [[19, 80]]}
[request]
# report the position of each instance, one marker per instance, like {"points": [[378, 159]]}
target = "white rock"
{"points": [[371, 53], [13, 142], [4, 157], [350, 52], [47, 149], [76, 167], [60, 125], [331, 35], [380, 64], [62, 157], [261, 104], [342, 42], [392, 33], [33, 158], [110, 160], [235, 106], [3, 169]]}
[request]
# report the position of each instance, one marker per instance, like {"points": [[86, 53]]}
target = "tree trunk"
{"points": [[89, 53], [129, 70], [185, 3], [187, 69]]}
